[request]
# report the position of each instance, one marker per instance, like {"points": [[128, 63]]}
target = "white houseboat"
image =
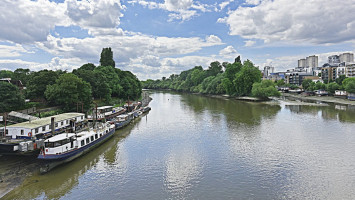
{"points": [[65, 147], [25, 138], [106, 112]]}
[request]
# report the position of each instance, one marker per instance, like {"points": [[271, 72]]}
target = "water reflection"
{"points": [[183, 167], [342, 113], [245, 113], [58, 182]]}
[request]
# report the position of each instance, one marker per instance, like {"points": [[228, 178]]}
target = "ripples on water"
{"points": [[195, 147]]}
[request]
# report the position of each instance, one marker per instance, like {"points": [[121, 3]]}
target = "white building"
{"points": [[268, 70], [350, 70], [312, 61], [346, 57], [302, 63]]}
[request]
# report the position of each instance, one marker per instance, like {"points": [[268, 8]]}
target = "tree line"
{"points": [[67, 89], [341, 83], [234, 79]]}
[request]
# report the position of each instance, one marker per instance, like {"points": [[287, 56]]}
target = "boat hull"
{"points": [[51, 161]]}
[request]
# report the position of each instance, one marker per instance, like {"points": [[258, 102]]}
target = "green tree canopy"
{"points": [[331, 87], [265, 89], [39, 81], [11, 97], [245, 79], [69, 90], [349, 85], [106, 58]]}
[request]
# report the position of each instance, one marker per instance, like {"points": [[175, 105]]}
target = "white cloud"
{"points": [[249, 43], [224, 4], [252, 2], [228, 52], [95, 14], [180, 9], [298, 21], [16, 50], [27, 21]]}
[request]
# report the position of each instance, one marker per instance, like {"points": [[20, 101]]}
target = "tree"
{"points": [[340, 80], [69, 90], [349, 85], [228, 86], [106, 58], [11, 97], [245, 79], [306, 84], [214, 69], [280, 82], [39, 81], [265, 89], [22, 74], [331, 87], [320, 86], [6, 74]]}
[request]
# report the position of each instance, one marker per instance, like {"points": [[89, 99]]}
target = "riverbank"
{"points": [[324, 99]]}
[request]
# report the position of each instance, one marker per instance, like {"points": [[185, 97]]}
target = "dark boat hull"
{"points": [[51, 161]]}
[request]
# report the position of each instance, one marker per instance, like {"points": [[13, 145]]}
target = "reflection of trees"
{"points": [[242, 112], [58, 182], [343, 113]]}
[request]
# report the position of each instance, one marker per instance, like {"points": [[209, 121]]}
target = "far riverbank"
{"points": [[325, 99]]}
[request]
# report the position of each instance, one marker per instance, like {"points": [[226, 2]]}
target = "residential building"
{"points": [[350, 70], [346, 57], [302, 63], [296, 78], [329, 72], [17, 83], [268, 70], [334, 59], [312, 61]]}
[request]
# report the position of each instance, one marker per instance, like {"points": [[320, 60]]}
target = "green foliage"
{"points": [[6, 74], [11, 97], [280, 82], [331, 87], [22, 75], [68, 91], [320, 86], [38, 82], [349, 85], [245, 79], [106, 58], [265, 89], [228, 86], [306, 83], [340, 80]]}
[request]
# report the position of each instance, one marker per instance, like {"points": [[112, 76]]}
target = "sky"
{"points": [[156, 38]]}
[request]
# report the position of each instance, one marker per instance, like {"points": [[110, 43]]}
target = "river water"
{"points": [[195, 147]]}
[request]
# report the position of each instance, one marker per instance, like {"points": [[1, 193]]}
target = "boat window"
{"points": [[57, 144], [22, 132], [92, 138], [100, 135], [87, 140], [62, 123], [36, 130], [43, 128], [49, 144], [56, 124], [96, 136], [82, 142]]}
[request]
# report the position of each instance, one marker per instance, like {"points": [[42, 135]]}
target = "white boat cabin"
{"points": [[42, 126]]}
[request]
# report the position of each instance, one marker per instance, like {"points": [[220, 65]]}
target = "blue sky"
{"points": [[156, 38]]}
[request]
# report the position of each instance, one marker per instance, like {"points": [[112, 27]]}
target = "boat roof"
{"points": [[46, 120], [104, 107], [60, 137]]}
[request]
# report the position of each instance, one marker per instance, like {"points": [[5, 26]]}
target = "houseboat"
{"points": [[27, 138], [106, 112], [122, 120], [66, 147]]}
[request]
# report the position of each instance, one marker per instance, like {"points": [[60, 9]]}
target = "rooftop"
{"points": [[46, 120], [60, 137]]}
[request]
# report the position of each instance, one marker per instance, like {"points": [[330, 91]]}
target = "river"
{"points": [[196, 147]]}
